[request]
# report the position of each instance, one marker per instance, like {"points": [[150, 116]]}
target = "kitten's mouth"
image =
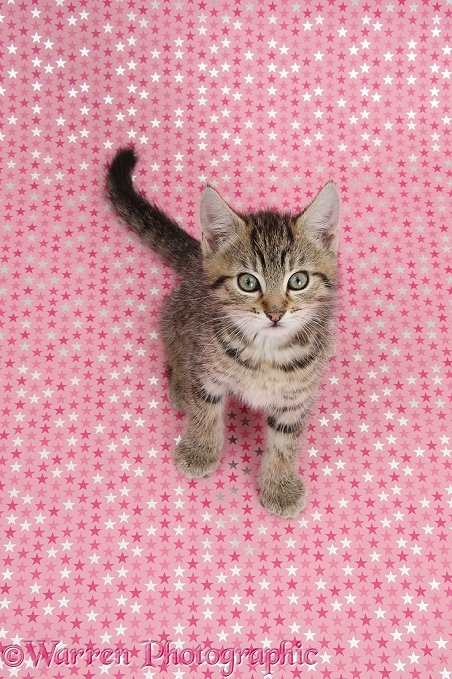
{"points": [[276, 327]]}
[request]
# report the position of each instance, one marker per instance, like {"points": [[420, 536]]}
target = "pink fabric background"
{"points": [[105, 545]]}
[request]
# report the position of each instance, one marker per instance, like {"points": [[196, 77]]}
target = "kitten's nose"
{"points": [[275, 316]]}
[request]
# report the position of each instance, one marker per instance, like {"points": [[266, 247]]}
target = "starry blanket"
{"points": [[113, 563]]}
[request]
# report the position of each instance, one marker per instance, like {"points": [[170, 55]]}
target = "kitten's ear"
{"points": [[320, 220], [218, 221]]}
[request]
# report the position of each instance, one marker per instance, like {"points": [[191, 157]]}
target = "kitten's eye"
{"points": [[248, 283], [298, 281]]}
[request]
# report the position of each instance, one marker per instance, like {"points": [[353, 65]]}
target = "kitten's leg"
{"points": [[199, 451], [282, 490], [176, 352], [176, 390]]}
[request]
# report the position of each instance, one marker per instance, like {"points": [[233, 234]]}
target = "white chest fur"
{"points": [[270, 388]]}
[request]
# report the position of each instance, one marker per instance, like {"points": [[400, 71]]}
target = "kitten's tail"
{"points": [[174, 245]]}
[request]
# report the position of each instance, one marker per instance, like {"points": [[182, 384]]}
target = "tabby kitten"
{"points": [[252, 317]]}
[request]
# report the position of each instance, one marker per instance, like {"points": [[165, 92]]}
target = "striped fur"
{"points": [[221, 340]]}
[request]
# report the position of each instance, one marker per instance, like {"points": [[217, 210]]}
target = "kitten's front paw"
{"points": [[285, 498], [195, 459]]}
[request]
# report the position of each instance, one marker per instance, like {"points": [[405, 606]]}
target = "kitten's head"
{"points": [[272, 274]]}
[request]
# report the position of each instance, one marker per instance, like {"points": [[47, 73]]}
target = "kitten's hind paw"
{"points": [[285, 498], [195, 459]]}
